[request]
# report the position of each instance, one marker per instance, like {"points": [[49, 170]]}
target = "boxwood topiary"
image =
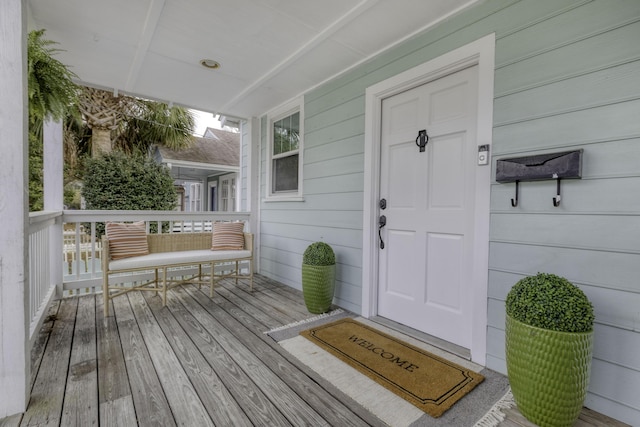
{"points": [[550, 302], [319, 253]]}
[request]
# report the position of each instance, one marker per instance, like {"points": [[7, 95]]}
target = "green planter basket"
{"points": [[548, 371], [318, 285]]}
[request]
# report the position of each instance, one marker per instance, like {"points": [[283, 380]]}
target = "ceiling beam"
{"points": [[148, 30], [326, 33]]}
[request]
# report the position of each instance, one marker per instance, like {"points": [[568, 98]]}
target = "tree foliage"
{"points": [[119, 181], [132, 124], [150, 122], [116, 181], [36, 191]]}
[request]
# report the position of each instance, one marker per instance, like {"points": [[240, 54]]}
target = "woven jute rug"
{"points": [[429, 382]]}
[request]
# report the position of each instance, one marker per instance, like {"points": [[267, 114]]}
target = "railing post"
{"points": [[14, 259]]}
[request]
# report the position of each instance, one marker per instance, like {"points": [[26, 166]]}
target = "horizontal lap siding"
{"points": [[331, 210], [571, 82], [334, 162], [566, 78]]}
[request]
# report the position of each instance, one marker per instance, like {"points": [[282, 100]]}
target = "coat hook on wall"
{"points": [[556, 198], [556, 166], [514, 202]]}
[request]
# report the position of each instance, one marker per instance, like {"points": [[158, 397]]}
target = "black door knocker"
{"points": [[422, 139]]}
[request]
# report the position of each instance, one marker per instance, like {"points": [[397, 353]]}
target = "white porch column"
{"points": [[253, 186], [53, 166], [14, 327], [53, 193]]}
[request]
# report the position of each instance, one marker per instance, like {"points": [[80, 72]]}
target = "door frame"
{"points": [[481, 53]]}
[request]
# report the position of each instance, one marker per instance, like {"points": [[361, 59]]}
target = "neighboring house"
{"points": [[564, 75], [206, 174]]}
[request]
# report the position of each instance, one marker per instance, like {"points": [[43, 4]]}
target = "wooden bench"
{"points": [[173, 251]]}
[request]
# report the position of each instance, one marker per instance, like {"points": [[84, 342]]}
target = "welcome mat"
{"points": [[429, 382]]}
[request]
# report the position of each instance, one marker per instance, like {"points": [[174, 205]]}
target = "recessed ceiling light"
{"points": [[210, 63]]}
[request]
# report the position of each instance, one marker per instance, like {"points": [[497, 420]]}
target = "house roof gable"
{"points": [[220, 147]]}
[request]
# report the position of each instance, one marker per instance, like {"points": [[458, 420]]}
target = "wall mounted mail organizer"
{"points": [[566, 164]]}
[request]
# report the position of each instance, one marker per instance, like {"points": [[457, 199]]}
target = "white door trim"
{"points": [[482, 53]]}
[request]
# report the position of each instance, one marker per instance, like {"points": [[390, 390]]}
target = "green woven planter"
{"points": [[318, 285], [548, 371]]}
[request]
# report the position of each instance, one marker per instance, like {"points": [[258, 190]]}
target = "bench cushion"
{"points": [[227, 236], [127, 240], [161, 259]]}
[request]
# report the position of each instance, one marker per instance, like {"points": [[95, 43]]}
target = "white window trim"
{"points": [[273, 116]]}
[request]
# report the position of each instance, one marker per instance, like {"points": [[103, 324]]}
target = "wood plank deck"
{"points": [[199, 361]]}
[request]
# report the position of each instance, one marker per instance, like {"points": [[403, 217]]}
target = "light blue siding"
{"points": [[567, 77]]}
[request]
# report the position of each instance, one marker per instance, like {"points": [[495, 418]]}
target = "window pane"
{"points": [[286, 134], [278, 137], [285, 173], [295, 131]]}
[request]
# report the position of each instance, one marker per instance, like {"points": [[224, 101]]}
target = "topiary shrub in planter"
{"points": [[318, 277], [549, 342]]}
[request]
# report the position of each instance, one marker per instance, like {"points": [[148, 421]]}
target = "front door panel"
{"points": [[425, 266]]}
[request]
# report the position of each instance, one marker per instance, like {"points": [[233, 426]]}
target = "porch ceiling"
{"points": [[270, 50]]}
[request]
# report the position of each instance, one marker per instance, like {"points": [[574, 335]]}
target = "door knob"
{"points": [[382, 221]]}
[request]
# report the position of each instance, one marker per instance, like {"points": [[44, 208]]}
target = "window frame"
{"points": [[284, 111]]}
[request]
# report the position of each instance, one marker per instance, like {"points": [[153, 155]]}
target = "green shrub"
{"points": [[116, 181], [36, 187], [319, 253], [550, 302]]}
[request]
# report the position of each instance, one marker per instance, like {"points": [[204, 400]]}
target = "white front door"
{"points": [[426, 266]]}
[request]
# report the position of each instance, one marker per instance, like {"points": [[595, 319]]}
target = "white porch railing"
{"points": [[43, 250], [64, 250]]}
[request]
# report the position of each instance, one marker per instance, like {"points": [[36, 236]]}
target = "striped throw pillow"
{"points": [[127, 240], [227, 236]]}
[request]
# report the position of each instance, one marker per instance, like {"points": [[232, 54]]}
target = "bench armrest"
{"points": [[248, 242]]}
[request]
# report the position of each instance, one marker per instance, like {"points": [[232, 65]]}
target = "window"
{"points": [[285, 153], [195, 196], [228, 193]]}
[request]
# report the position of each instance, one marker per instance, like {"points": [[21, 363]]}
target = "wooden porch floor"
{"points": [[198, 362]]}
